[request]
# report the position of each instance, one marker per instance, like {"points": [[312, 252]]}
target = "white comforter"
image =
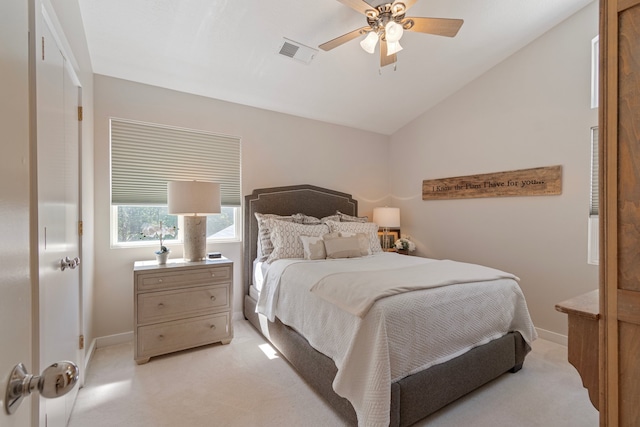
{"points": [[399, 335]]}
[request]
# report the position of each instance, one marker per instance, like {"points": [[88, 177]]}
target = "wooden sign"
{"points": [[544, 181]]}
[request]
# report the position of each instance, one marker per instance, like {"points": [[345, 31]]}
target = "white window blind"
{"points": [[144, 157], [594, 203]]}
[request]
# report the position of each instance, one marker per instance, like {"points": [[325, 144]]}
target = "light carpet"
{"points": [[239, 385]]}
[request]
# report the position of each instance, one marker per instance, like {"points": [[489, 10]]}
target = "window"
{"points": [[144, 157], [593, 251]]}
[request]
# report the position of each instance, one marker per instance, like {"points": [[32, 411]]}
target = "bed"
{"points": [[408, 397]]}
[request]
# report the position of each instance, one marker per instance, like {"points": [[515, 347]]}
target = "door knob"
{"points": [[55, 381], [69, 263]]}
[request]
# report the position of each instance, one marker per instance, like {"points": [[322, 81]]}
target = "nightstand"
{"points": [[181, 305]]}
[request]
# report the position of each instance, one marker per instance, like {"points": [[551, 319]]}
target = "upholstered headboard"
{"points": [[306, 199]]}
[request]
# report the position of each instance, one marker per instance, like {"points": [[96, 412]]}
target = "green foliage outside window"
{"points": [[134, 220]]}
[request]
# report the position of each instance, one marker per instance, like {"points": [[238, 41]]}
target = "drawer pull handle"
{"points": [[213, 274], [159, 280], [160, 337], [213, 297], [213, 327], [161, 305]]}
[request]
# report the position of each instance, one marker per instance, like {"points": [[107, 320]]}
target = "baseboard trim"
{"points": [[552, 336], [114, 339]]}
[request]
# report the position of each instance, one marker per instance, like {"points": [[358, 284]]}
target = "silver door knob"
{"points": [[69, 263], [55, 381]]}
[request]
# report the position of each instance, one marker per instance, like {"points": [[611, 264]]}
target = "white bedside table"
{"points": [[181, 305]]}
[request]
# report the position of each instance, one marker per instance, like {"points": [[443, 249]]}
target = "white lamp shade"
{"points": [[387, 217], [193, 197], [393, 47], [369, 42], [393, 32]]}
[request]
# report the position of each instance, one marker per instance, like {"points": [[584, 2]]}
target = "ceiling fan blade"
{"points": [[407, 3], [331, 44], [357, 5], [384, 58], [437, 26]]}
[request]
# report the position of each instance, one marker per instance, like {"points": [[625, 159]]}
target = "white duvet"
{"points": [[400, 334]]}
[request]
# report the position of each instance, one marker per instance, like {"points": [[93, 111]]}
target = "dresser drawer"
{"points": [[200, 276], [167, 337], [181, 303]]}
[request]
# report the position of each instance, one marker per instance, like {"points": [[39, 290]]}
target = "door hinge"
{"points": [[81, 342], [80, 113], [80, 228], [43, 48]]}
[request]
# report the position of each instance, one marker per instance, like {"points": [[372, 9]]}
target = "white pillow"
{"points": [[363, 241], [285, 237], [313, 247], [368, 228], [265, 246], [342, 247]]}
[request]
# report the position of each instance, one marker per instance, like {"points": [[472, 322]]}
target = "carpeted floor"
{"points": [[240, 385]]}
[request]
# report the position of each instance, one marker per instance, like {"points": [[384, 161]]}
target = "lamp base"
{"points": [[195, 238]]}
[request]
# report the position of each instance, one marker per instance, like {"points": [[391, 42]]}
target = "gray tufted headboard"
{"points": [[306, 199]]}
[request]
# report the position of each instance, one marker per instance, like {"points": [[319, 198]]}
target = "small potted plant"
{"points": [[160, 232], [404, 245]]}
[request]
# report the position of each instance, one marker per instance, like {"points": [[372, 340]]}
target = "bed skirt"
{"points": [[413, 397]]}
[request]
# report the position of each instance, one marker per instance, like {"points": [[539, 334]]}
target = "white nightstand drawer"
{"points": [[199, 276], [176, 304], [178, 335]]}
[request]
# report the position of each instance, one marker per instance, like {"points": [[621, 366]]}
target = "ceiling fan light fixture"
{"points": [[369, 42], [393, 47], [393, 32]]}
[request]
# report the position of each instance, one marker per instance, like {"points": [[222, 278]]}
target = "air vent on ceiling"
{"points": [[297, 51]]}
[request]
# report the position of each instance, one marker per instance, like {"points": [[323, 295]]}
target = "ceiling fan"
{"points": [[386, 21]]}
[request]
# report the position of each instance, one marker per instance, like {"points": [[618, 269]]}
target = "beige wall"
{"points": [[531, 110], [277, 149]]}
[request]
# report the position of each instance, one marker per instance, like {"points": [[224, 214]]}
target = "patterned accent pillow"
{"points": [[342, 247], [350, 218], [368, 228], [265, 246], [306, 219], [285, 237], [313, 247], [363, 241]]}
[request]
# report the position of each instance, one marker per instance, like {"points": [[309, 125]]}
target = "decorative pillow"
{"points": [[368, 228], [350, 218], [342, 247], [285, 237], [363, 241], [313, 247], [265, 246], [306, 219]]}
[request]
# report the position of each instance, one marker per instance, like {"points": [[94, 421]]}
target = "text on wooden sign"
{"points": [[543, 181]]}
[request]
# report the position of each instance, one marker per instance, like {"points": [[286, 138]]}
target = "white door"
{"points": [[58, 239], [15, 284]]}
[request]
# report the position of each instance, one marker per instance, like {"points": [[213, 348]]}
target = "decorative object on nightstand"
{"points": [[195, 200], [181, 305], [404, 245], [161, 233], [386, 218]]}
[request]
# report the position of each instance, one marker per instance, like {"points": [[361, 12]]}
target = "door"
{"points": [[58, 214], [15, 283], [620, 224]]}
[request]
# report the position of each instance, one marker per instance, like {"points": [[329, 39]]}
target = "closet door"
{"points": [[620, 226]]}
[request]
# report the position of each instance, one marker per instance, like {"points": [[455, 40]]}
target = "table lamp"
{"points": [[195, 200], [386, 218]]}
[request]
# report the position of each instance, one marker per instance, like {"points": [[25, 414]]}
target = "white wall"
{"points": [[531, 110], [277, 149]]}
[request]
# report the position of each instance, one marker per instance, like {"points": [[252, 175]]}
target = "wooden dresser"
{"points": [[181, 305], [583, 313]]}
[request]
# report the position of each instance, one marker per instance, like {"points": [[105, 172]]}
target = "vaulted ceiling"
{"points": [[229, 50]]}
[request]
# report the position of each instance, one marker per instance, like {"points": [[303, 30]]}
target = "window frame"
{"points": [[115, 244]]}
